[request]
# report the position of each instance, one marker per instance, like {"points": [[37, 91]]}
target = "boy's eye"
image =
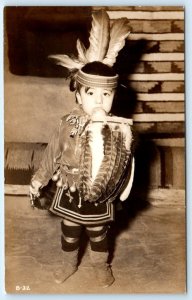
{"points": [[106, 94], [90, 92]]}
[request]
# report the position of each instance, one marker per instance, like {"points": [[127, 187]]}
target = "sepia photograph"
{"points": [[94, 150]]}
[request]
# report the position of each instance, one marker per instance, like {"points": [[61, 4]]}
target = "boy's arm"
{"points": [[48, 164]]}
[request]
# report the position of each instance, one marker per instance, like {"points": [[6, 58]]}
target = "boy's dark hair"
{"points": [[94, 68], [98, 68]]}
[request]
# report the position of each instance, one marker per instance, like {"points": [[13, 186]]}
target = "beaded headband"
{"points": [[96, 80]]}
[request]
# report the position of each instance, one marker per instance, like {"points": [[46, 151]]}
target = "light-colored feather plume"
{"points": [[99, 37], [105, 44], [119, 32], [67, 62], [81, 52]]}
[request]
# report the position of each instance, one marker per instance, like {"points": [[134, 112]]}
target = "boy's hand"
{"points": [[34, 189]]}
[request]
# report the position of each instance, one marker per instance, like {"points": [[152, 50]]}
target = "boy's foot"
{"points": [[104, 276], [63, 274]]}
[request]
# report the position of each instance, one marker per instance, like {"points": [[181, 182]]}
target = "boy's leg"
{"points": [[70, 245], [99, 254]]}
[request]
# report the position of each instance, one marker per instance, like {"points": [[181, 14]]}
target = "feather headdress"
{"points": [[105, 43]]}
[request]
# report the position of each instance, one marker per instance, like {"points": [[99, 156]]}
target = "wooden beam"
{"points": [[157, 76], [147, 15], [170, 142], [12, 189], [161, 97], [170, 197], [178, 167], [163, 117], [157, 37], [163, 57], [156, 196], [139, 8]]}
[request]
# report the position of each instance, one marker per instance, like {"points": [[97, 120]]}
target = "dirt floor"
{"points": [[147, 251]]}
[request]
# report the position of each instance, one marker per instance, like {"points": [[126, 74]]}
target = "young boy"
{"points": [[89, 156]]}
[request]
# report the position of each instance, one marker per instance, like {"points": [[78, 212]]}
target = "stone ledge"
{"points": [[156, 197]]}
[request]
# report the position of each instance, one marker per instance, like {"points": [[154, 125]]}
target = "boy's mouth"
{"points": [[98, 112]]}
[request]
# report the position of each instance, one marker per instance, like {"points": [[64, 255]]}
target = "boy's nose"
{"points": [[98, 99]]}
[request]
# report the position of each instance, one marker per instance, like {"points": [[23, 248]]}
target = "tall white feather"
{"points": [[81, 52], [119, 32], [99, 37]]}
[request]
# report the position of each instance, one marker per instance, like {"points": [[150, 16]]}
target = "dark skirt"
{"points": [[68, 205]]}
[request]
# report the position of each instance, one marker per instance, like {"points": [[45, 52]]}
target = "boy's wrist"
{"points": [[34, 188], [36, 184]]}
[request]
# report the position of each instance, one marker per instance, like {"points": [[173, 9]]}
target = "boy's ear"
{"points": [[78, 97]]}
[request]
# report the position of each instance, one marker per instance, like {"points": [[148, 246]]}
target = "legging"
{"points": [[71, 233]]}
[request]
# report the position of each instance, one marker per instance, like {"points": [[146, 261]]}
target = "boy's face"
{"points": [[92, 98]]}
